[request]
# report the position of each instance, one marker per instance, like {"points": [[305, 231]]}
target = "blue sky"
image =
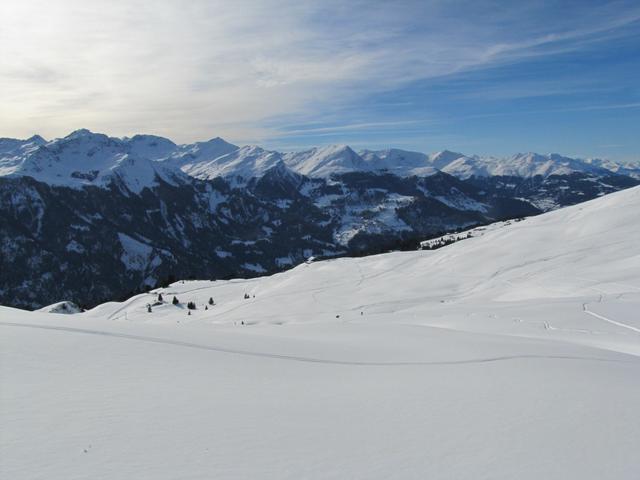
{"points": [[477, 77]]}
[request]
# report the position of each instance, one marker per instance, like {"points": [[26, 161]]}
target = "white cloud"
{"points": [[192, 70]]}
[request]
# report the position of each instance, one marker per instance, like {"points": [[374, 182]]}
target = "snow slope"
{"points": [[65, 307], [514, 354]]}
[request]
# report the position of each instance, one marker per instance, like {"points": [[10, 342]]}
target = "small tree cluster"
{"points": [[191, 305]]}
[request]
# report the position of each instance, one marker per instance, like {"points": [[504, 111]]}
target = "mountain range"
{"points": [[90, 217], [83, 158]]}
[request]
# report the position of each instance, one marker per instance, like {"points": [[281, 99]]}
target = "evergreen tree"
{"points": [[211, 302], [175, 301], [148, 308], [160, 297], [191, 305]]}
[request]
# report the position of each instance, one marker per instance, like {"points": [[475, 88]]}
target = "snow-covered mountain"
{"points": [[399, 162], [239, 165], [510, 355], [191, 155], [629, 168], [83, 158], [134, 212], [326, 161], [524, 165], [59, 241], [13, 147]]}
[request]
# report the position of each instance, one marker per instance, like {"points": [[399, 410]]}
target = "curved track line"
{"points": [[300, 358], [586, 310]]}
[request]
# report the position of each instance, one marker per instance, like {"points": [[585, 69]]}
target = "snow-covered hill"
{"points": [[514, 354]]}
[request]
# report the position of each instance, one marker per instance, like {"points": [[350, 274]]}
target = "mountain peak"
{"points": [[447, 155], [203, 152], [326, 161], [81, 132], [219, 141], [242, 163], [37, 139], [151, 146], [336, 147]]}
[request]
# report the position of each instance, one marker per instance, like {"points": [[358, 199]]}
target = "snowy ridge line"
{"points": [[85, 158], [296, 358]]}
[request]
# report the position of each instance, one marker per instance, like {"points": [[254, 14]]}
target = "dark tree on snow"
{"points": [[175, 301], [160, 297], [211, 302]]}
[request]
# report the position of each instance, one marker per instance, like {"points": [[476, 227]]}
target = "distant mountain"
{"points": [[524, 165], [83, 157], [630, 169], [399, 162], [326, 161], [89, 217], [194, 154], [239, 166]]}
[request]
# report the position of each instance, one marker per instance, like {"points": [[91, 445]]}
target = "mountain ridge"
{"points": [[90, 217], [216, 157]]}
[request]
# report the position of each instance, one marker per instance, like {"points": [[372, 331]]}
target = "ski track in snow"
{"points": [[585, 309], [297, 358]]}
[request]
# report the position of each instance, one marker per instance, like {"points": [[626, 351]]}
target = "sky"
{"points": [[479, 77]]}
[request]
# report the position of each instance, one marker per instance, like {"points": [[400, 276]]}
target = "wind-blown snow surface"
{"points": [[509, 355]]}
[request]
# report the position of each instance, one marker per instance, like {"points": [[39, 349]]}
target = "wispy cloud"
{"points": [[194, 69], [350, 127]]}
